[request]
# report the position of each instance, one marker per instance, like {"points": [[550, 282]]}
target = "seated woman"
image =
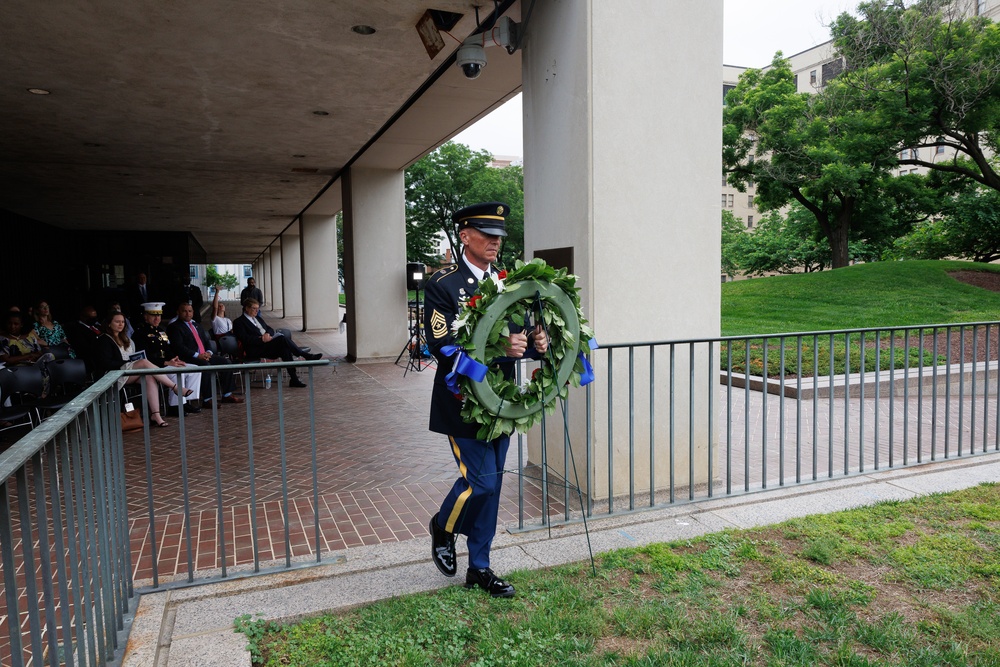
{"points": [[113, 351], [221, 325], [17, 347], [50, 331]]}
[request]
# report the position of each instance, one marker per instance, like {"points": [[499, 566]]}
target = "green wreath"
{"points": [[502, 406]]}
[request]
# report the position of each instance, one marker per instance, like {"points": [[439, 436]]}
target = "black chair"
{"points": [[16, 414], [67, 378], [229, 346], [27, 389]]}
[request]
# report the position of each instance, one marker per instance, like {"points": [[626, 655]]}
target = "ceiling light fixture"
{"points": [[321, 113], [299, 155], [362, 29], [38, 91]]}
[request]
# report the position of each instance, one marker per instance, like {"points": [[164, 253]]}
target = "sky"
{"points": [[752, 31]]}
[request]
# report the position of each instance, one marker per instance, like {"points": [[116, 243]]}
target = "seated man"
{"points": [[259, 340], [83, 335], [191, 343], [152, 339]]}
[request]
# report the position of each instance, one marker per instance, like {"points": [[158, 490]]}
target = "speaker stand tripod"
{"points": [[417, 359]]}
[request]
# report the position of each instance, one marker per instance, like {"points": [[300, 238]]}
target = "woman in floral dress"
{"points": [[51, 331]]}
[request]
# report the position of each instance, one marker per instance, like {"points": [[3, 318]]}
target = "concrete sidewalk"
{"points": [[193, 626]]}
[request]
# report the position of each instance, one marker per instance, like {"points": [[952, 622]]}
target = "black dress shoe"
{"points": [[191, 409], [489, 582], [442, 548], [312, 357], [171, 411], [297, 383]]}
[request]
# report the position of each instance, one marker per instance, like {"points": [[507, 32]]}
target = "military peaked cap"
{"points": [[489, 218]]}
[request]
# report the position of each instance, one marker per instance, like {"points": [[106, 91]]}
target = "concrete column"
{"points": [[375, 262], [277, 298], [318, 246], [265, 289], [622, 156], [291, 273]]}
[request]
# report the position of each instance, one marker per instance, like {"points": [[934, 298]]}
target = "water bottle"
{"points": [[267, 381]]}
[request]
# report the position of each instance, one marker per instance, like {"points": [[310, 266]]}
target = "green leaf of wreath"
{"points": [[500, 405]]}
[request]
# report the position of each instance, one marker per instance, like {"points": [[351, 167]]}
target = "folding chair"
{"points": [[27, 388], [229, 346], [15, 413], [67, 378]]}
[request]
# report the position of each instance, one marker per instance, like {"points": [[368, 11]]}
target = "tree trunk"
{"points": [[839, 231]]}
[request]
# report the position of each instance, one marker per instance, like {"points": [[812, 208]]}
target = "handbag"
{"points": [[131, 421]]}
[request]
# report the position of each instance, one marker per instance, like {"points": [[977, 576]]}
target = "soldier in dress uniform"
{"points": [[471, 507], [152, 339]]}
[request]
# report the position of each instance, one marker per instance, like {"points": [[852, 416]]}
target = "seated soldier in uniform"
{"points": [[152, 339]]}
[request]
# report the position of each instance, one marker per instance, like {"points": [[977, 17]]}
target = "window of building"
{"points": [[247, 271], [731, 201], [795, 78], [193, 271], [725, 91], [750, 201], [723, 200], [812, 77], [915, 153], [749, 222], [832, 70], [980, 7], [723, 180], [940, 149]]}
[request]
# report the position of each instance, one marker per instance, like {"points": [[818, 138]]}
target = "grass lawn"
{"points": [[881, 294], [913, 583]]}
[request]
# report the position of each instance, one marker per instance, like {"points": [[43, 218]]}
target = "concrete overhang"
{"points": [[201, 117]]}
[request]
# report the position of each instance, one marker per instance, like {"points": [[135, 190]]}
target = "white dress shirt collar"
{"points": [[476, 271]]}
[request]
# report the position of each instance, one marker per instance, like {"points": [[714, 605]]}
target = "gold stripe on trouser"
{"points": [[456, 510]]}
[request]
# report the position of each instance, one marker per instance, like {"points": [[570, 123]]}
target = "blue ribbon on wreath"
{"points": [[587, 376], [464, 365]]}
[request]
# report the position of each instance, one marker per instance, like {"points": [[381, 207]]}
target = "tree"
{"points": [[504, 185], [732, 237], [223, 281], [930, 78], [968, 229], [437, 185], [809, 149], [780, 244]]}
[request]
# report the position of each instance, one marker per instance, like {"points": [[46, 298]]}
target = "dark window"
{"points": [[832, 69], [749, 222], [725, 91]]}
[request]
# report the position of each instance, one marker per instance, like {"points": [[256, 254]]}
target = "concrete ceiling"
{"points": [[199, 116]]}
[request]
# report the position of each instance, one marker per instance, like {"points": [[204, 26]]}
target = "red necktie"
{"points": [[197, 338]]}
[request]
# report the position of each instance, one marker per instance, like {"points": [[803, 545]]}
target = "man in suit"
{"points": [[150, 337], [83, 335], [191, 343], [471, 507], [138, 294], [259, 340]]}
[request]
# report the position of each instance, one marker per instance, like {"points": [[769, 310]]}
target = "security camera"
{"points": [[471, 57]]}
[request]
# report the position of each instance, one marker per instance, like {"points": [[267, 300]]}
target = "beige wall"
{"points": [[623, 163]]}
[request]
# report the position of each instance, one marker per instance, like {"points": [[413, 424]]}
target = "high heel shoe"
{"points": [[177, 390], [161, 423]]}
